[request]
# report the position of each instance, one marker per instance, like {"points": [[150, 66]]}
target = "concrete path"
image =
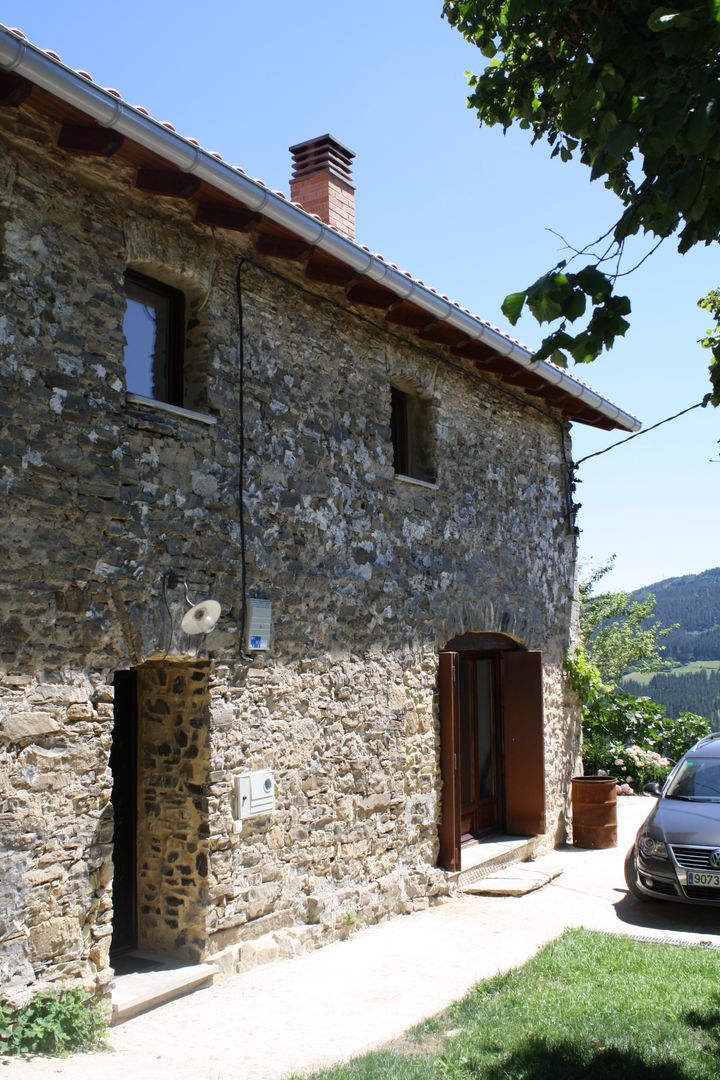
{"points": [[297, 1015]]}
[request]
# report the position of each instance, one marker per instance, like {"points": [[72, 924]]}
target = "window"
{"points": [[154, 327], [412, 435]]}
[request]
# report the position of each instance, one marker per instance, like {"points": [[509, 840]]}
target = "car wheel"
{"points": [[631, 878]]}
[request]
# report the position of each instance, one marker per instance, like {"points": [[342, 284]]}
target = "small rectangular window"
{"points": [[399, 430], [154, 327], [413, 435]]}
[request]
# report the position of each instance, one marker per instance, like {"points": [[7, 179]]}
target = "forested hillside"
{"points": [[697, 691], [693, 602]]}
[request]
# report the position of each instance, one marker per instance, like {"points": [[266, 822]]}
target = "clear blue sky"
{"points": [[464, 208]]}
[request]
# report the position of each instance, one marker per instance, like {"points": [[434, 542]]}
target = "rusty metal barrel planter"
{"points": [[594, 811]]}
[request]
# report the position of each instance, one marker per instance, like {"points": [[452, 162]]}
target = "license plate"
{"points": [[700, 877]]}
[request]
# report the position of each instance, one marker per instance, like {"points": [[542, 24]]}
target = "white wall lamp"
{"points": [[201, 618]]}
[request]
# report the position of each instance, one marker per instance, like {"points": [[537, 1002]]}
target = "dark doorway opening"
{"points": [[480, 746], [123, 765]]}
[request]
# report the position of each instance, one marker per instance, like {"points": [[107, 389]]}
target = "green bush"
{"points": [[638, 721], [52, 1023], [627, 736], [629, 764]]}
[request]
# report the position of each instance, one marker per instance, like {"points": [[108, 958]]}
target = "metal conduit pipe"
{"points": [[23, 58]]}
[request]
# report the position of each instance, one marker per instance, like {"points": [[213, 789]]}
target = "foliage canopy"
{"points": [[619, 728], [617, 631], [631, 90]]}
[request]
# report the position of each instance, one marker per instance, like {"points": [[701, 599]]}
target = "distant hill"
{"points": [[694, 602], [693, 684]]}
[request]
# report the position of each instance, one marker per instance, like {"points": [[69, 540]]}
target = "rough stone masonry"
{"points": [[369, 575]]}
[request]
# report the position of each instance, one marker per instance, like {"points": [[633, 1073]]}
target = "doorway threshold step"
{"points": [[517, 880], [488, 856], [144, 990]]}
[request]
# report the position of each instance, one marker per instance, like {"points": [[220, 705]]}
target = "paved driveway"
{"points": [[336, 1002]]}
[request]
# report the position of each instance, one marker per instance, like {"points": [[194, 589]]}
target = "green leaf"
{"points": [[593, 282], [512, 306], [621, 139], [574, 306], [672, 19]]}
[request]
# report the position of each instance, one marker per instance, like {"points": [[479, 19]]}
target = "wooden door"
{"points": [[524, 736], [449, 833], [492, 747]]}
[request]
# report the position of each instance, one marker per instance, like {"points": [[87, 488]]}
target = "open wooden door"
{"points": [[524, 739], [492, 746], [449, 854]]}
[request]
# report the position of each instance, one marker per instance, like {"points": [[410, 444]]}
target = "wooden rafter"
{"points": [[282, 247], [365, 292], [442, 333], [328, 271], [167, 182], [403, 313], [14, 89], [224, 216], [89, 139]]}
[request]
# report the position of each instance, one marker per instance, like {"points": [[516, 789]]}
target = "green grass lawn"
{"points": [[588, 1006], [691, 668]]}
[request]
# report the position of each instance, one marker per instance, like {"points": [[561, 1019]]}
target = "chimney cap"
{"points": [[323, 153]]}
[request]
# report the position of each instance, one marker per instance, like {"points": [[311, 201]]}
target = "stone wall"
{"points": [[173, 830], [369, 575]]}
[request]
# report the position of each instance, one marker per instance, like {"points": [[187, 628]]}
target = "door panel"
{"points": [[449, 854], [522, 703]]}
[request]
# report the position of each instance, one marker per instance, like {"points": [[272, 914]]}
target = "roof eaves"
{"points": [[109, 110]]}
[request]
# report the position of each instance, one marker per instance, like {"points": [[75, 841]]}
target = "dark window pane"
{"points": [[483, 704], [153, 328], [467, 793], [399, 430]]}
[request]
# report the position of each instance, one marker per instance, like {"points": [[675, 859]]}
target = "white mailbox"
{"points": [[254, 794]]}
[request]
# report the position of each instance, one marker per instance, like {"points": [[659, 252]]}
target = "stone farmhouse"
{"points": [[211, 394]]}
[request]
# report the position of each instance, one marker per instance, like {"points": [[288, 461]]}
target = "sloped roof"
{"points": [[98, 121]]}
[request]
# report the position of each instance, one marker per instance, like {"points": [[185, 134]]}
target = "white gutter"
{"points": [[22, 58]]}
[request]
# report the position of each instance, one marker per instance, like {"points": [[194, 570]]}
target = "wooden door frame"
{"points": [[520, 715], [496, 734]]}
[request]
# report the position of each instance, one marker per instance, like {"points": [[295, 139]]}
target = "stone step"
{"points": [[144, 990], [516, 880], [485, 858]]}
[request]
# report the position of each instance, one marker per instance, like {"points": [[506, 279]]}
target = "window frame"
{"points": [[412, 435], [174, 374]]}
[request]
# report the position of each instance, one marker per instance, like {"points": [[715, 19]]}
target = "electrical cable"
{"points": [[241, 450], [637, 434]]}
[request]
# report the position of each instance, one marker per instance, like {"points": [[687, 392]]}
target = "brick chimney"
{"points": [[322, 182]]}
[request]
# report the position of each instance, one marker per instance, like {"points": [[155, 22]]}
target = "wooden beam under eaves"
{"points": [[442, 333], [552, 394], [14, 89], [469, 349], [403, 313], [167, 182], [282, 247], [222, 216], [86, 139], [365, 292], [328, 271]]}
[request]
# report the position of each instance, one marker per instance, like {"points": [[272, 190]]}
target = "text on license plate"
{"points": [[698, 877]]}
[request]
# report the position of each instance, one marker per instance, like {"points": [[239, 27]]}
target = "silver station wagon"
{"points": [[676, 854]]}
